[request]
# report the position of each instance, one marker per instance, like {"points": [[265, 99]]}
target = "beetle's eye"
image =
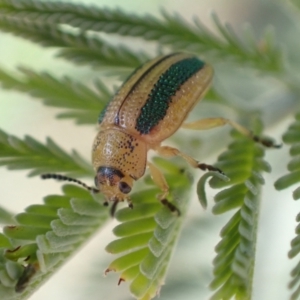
{"points": [[124, 187]]}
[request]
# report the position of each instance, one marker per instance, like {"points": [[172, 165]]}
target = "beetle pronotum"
{"points": [[148, 108]]}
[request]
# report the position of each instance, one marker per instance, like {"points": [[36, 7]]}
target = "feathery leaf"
{"points": [[234, 264], [44, 237], [19, 154], [292, 137], [147, 236], [80, 48], [172, 31], [82, 103]]}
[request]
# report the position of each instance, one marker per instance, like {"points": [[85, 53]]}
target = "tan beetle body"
{"points": [[120, 148]]}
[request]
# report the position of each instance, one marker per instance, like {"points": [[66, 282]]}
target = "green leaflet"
{"points": [[172, 31], [234, 264], [45, 235], [292, 137], [19, 154], [79, 48], [6, 217], [148, 234], [79, 101], [294, 251]]}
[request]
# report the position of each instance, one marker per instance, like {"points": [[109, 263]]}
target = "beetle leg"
{"points": [[168, 151], [210, 123], [160, 181], [113, 208], [130, 205]]}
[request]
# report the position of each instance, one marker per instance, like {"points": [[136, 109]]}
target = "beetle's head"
{"points": [[111, 182], [114, 185]]}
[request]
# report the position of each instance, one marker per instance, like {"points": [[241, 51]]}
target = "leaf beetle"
{"points": [[150, 106]]}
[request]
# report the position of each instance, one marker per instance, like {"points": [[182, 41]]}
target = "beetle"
{"points": [[150, 106]]}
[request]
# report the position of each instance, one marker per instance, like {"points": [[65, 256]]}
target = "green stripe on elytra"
{"points": [[161, 94], [143, 75]]}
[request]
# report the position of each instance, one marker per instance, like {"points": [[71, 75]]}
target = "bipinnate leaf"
{"points": [[147, 235], [292, 138], [243, 163], [44, 236], [17, 154], [76, 100]]}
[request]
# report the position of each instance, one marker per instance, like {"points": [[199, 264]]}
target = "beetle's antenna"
{"points": [[66, 178]]}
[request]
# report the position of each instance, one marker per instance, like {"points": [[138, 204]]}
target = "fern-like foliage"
{"points": [[80, 102], [243, 163], [78, 48], [294, 283], [41, 239], [292, 137], [147, 236], [31, 154], [171, 31], [44, 236]]}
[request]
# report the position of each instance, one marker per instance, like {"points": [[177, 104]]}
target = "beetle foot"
{"points": [[130, 205], [171, 206], [114, 207], [206, 167], [267, 142]]}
